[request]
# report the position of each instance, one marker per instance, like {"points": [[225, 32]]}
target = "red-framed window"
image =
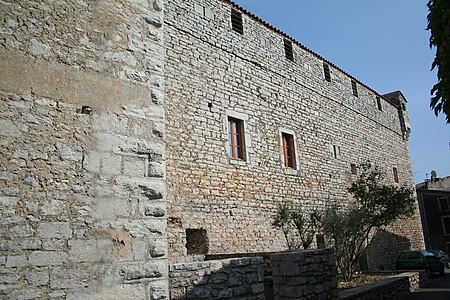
{"points": [[288, 150], [236, 138]]}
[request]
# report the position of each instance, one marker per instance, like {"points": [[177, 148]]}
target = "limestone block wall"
{"points": [[213, 72], [235, 278], [82, 157], [307, 274]]}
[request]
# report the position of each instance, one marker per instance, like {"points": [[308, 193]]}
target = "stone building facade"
{"points": [[97, 97], [82, 176], [230, 75]]}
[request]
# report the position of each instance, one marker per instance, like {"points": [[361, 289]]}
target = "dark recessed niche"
{"points": [[86, 110], [196, 241]]}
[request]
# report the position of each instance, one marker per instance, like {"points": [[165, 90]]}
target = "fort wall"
{"points": [[82, 157], [213, 73]]}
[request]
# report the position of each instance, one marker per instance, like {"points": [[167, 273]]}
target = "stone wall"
{"points": [[307, 274], [213, 72], [235, 278], [397, 287], [82, 158]]}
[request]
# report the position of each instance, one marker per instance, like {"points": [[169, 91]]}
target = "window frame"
{"points": [[443, 224], [353, 169], [448, 203], [293, 166], [236, 138], [335, 151], [288, 150], [380, 107], [243, 118], [395, 173]]}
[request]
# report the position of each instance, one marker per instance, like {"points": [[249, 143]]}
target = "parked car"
{"points": [[443, 257], [419, 259]]}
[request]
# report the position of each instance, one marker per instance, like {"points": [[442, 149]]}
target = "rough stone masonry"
{"points": [[87, 88], [223, 64], [82, 157]]}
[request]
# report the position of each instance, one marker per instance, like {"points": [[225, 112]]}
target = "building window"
{"points": [[443, 203], [288, 150], [236, 21], [354, 88], [335, 151], [395, 172], [288, 51], [446, 224], [353, 169], [236, 138], [326, 71], [380, 108]]}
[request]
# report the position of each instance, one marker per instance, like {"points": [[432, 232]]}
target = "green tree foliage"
{"points": [[298, 227], [439, 26], [282, 221], [376, 205]]}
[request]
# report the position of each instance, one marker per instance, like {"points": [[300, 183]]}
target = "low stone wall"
{"points": [[305, 274], [390, 288], [218, 279]]}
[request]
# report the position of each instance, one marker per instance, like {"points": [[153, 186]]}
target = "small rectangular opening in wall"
{"points": [[288, 150], [236, 21], [380, 108], [326, 71], [354, 88], [288, 51], [336, 151], [395, 172], [196, 241], [353, 169]]}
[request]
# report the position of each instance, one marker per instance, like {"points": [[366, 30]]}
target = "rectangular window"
{"points": [[443, 203], [236, 138], [236, 21], [379, 104], [288, 51], [394, 170], [288, 150], [354, 88], [335, 151], [446, 224], [326, 71], [353, 169]]}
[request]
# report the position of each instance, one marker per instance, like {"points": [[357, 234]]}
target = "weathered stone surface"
{"points": [[72, 157], [218, 279], [214, 73], [296, 274], [54, 230]]}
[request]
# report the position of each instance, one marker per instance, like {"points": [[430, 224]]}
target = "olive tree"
{"points": [[298, 226], [375, 205]]}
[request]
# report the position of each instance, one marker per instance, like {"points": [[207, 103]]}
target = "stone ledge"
{"points": [[389, 288]]}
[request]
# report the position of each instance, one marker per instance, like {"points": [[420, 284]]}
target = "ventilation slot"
{"points": [[288, 51], [236, 21], [326, 71], [354, 88]]}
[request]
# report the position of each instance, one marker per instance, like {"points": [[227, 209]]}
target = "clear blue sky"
{"points": [[384, 44]]}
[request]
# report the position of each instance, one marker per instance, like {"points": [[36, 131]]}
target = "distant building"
{"points": [[434, 206]]}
